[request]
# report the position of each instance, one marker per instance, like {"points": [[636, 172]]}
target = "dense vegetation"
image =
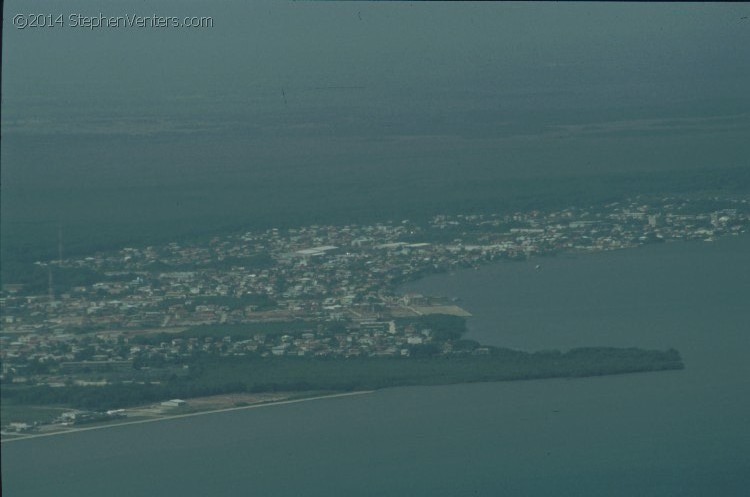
{"points": [[159, 214], [209, 376]]}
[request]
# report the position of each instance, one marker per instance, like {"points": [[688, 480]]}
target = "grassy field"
{"points": [[28, 414]]}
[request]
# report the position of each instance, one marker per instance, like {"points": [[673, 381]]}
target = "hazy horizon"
{"points": [[359, 103]]}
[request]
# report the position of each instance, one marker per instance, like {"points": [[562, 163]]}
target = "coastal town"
{"points": [[319, 277], [315, 291]]}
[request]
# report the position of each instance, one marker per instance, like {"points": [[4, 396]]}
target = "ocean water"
{"points": [[659, 434]]}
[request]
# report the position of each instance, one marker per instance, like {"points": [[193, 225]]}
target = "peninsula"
{"points": [[307, 309]]}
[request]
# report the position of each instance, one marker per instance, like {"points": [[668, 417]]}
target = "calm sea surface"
{"points": [[662, 434]]}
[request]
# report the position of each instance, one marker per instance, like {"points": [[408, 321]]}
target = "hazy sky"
{"points": [[347, 93], [399, 52]]}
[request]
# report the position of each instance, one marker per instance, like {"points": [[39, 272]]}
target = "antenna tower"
{"points": [[59, 243], [49, 282]]}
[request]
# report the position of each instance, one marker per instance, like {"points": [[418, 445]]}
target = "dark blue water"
{"points": [[661, 434]]}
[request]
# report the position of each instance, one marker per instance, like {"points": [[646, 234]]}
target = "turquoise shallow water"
{"points": [[662, 434]]}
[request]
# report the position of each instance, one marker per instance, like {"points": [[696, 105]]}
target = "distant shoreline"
{"points": [[187, 415]]}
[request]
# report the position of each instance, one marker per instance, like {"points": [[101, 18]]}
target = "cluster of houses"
{"points": [[316, 274], [121, 355]]}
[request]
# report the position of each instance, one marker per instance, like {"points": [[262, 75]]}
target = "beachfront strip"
{"points": [[312, 291]]}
